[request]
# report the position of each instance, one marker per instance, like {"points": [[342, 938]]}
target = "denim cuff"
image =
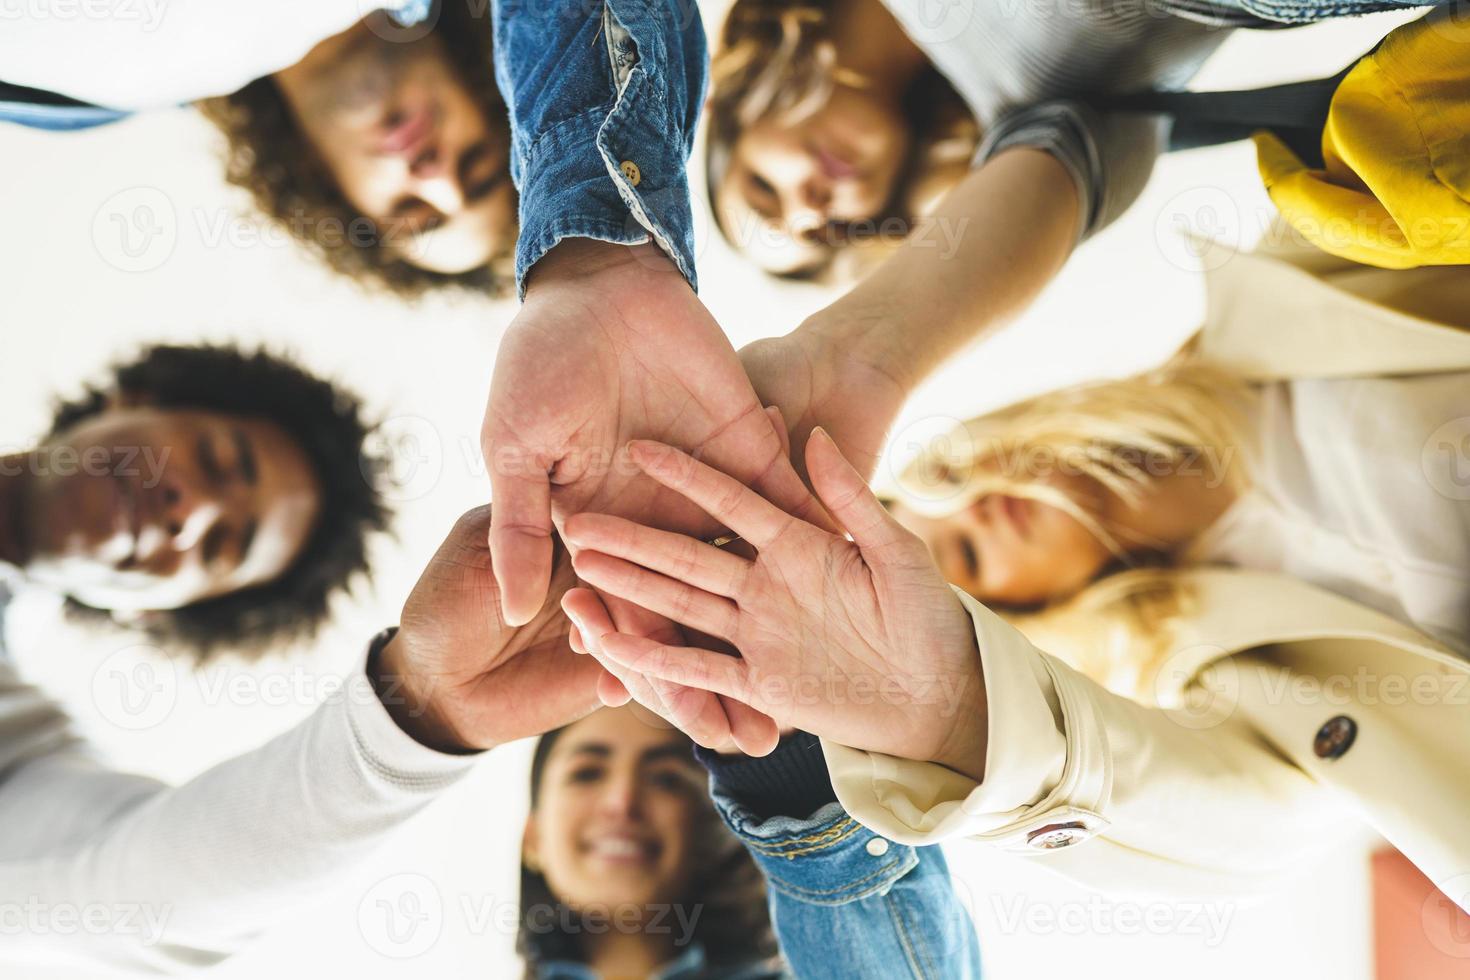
{"points": [[791, 781], [827, 859], [579, 180]]}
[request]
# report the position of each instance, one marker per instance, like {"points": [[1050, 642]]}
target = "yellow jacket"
{"points": [[1303, 714], [1395, 188]]}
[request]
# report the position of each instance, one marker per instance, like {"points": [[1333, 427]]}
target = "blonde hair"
{"points": [[777, 58], [1118, 631], [1121, 434]]}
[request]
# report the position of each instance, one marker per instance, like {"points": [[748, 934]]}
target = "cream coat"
{"points": [[1223, 791]]}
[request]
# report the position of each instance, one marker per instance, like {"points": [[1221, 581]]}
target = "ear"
{"points": [[531, 845]]}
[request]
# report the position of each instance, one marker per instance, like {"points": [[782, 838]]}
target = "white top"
{"points": [[149, 54], [193, 871], [1362, 487]]}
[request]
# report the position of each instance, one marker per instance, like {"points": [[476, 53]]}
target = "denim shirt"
{"points": [[603, 98], [848, 904]]}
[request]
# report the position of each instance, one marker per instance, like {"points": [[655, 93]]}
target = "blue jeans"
{"points": [[848, 904]]}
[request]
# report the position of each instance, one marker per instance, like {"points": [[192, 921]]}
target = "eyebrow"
{"points": [[602, 750], [245, 453]]}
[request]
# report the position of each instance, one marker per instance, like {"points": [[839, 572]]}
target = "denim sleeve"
{"points": [[603, 97], [847, 903]]}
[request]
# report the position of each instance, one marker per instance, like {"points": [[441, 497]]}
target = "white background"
{"points": [[72, 301]]}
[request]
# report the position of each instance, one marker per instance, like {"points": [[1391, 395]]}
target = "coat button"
{"points": [[631, 171], [877, 847], [1056, 835], [1335, 737]]}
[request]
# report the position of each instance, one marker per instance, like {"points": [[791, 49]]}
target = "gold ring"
{"points": [[722, 540]]}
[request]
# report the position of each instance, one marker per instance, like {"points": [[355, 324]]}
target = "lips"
{"points": [[834, 166], [621, 849], [408, 133]]}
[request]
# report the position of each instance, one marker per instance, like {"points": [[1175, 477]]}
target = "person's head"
{"points": [[385, 150], [622, 828], [807, 160], [1028, 504], [204, 494]]}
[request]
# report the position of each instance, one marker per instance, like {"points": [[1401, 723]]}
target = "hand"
{"points": [[818, 376], [612, 345], [859, 641], [457, 677]]}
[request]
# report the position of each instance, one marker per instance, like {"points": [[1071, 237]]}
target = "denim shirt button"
{"points": [[877, 847], [631, 171]]}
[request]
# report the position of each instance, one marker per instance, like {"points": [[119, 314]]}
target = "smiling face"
{"points": [[140, 508], [408, 144], [1013, 550], [614, 821], [794, 187]]}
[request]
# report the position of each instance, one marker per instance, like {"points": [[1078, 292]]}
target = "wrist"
{"points": [[574, 259], [408, 701], [966, 733], [864, 339]]}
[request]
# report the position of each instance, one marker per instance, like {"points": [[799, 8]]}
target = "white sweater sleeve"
{"points": [[177, 878]]}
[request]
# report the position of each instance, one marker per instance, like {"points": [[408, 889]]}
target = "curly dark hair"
{"points": [[268, 155], [735, 925], [325, 421]]}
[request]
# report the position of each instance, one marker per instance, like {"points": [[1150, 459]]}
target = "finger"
{"points": [[782, 485], [612, 692], [574, 639], [754, 732], [687, 666], [697, 713], [678, 556], [849, 498], [520, 541], [724, 498], [778, 422], [587, 613], [682, 603]]}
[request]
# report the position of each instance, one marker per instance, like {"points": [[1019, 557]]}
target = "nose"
{"points": [[187, 512], [441, 189], [810, 206], [619, 797]]}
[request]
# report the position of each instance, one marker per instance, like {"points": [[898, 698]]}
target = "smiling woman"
{"points": [[626, 868], [189, 496]]}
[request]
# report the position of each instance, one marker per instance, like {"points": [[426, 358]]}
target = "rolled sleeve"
{"points": [[1108, 155], [603, 102]]}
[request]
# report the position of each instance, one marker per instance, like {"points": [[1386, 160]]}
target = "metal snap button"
{"points": [[1335, 737], [1056, 835], [877, 847]]}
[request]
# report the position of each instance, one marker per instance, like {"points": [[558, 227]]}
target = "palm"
{"points": [[817, 382], [493, 682]]}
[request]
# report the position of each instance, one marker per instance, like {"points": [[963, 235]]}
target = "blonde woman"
{"points": [[1277, 716]]}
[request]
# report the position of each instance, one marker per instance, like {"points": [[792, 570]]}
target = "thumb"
{"points": [[778, 421], [847, 497]]}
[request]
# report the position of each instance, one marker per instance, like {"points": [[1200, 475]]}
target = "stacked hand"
{"points": [[859, 640]]}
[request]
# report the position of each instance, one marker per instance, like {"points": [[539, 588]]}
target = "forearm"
{"points": [[199, 868], [985, 254]]}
